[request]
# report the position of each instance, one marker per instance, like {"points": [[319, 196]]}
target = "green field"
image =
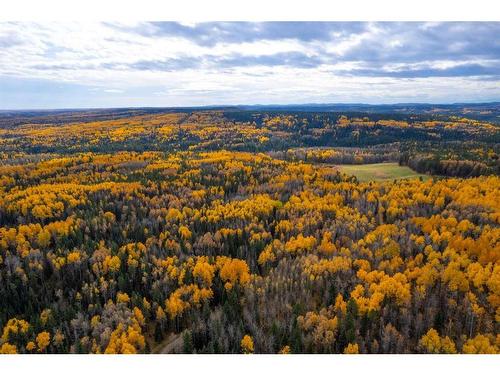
{"points": [[379, 172]]}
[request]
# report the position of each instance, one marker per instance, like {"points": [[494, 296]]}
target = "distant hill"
{"points": [[478, 111]]}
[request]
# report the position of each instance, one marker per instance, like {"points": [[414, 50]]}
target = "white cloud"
{"points": [[102, 57]]}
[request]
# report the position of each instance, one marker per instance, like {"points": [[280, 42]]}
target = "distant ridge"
{"points": [[298, 106], [489, 112]]}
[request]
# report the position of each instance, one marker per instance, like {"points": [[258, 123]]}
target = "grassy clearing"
{"points": [[380, 171]]}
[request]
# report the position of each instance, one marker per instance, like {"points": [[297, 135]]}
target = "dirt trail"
{"points": [[172, 343]]}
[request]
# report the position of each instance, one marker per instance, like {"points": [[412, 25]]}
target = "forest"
{"points": [[236, 231]]}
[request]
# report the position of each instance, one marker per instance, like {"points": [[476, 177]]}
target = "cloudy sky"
{"points": [[59, 65]]}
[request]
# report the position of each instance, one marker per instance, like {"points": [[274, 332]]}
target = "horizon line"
{"points": [[252, 105]]}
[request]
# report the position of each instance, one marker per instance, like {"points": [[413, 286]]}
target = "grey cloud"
{"points": [[384, 42], [165, 65], [58, 67], [414, 47], [10, 40], [211, 33], [465, 70], [294, 59], [449, 40]]}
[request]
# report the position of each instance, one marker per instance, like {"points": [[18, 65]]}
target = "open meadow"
{"points": [[380, 172]]}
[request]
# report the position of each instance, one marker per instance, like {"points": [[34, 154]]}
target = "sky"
{"points": [[97, 65]]}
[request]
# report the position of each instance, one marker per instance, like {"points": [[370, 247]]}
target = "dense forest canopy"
{"points": [[234, 231]]}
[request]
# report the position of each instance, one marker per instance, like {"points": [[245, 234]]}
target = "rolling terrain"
{"points": [[246, 230]]}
